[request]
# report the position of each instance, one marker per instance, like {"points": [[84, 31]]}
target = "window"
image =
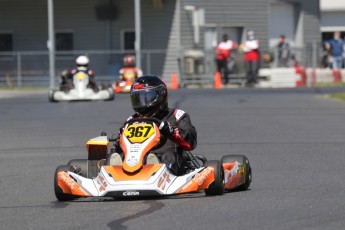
{"points": [[129, 40], [64, 41], [6, 42], [329, 35]]}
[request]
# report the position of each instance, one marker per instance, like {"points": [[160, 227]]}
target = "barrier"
{"points": [[280, 78], [299, 77], [174, 82], [218, 81]]}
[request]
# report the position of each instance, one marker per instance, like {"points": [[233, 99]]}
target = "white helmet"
{"points": [[82, 61]]}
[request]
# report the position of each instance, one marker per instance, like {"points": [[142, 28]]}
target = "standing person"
{"points": [[337, 45], [327, 58], [223, 51], [251, 58], [283, 51]]}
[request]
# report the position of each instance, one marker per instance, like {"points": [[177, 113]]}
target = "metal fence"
{"points": [[32, 68]]}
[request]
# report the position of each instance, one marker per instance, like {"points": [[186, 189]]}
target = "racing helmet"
{"points": [[149, 95], [82, 61], [129, 60]]}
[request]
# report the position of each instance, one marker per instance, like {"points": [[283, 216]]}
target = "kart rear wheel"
{"points": [[242, 159], [58, 191], [79, 166], [217, 186]]}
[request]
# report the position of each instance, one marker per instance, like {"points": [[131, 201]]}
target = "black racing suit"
{"points": [[67, 77], [183, 138]]}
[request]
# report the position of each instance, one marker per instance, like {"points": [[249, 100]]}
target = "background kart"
{"points": [[95, 177], [81, 91], [125, 80]]}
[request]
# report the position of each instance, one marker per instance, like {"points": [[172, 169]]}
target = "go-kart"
{"points": [[125, 81], [96, 177], [79, 90]]}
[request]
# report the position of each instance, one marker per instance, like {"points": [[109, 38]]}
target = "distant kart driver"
{"points": [[129, 71], [149, 98], [82, 65]]}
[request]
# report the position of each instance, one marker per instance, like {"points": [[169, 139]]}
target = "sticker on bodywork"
{"points": [[139, 132]]}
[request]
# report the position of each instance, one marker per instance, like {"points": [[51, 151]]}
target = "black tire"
{"points": [[80, 165], [58, 191], [242, 159], [217, 186], [51, 95]]}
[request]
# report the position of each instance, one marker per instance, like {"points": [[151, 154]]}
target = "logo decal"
{"points": [[132, 161], [165, 179], [102, 183], [131, 193], [179, 113], [201, 177], [66, 179]]}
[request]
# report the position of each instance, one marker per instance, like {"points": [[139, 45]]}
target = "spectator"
{"points": [[327, 58], [283, 52], [251, 58], [337, 45], [223, 51]]}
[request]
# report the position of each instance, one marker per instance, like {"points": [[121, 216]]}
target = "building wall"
{"points": [[27, 20], [310, 19], [167, 27]]}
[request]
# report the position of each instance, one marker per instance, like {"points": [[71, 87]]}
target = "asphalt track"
{"points": [[294, 139]]}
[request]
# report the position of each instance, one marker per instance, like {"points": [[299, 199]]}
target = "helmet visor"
{"points": [[143, 98]]}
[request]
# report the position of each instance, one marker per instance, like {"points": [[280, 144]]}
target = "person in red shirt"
{"points": [[223, 51], [251, 58]]}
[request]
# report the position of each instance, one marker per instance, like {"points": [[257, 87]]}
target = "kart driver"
{"points": [[129, 68], [82, 64], [149, 98]]}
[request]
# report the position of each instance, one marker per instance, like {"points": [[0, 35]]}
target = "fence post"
{"points": [[314, 54], [148, 63], [275, 55], [19, 70]]}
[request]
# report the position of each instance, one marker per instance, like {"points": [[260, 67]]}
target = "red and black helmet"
{"points": [[129, 60], [149, 95]]}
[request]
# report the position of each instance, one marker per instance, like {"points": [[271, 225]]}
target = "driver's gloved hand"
{"points": [[165, 128]]}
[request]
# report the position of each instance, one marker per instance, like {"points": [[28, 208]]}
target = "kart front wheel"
{"points": [[111, 95], [243, 160], [51, 95], [217, 186], [60, 195], [79, 166]]}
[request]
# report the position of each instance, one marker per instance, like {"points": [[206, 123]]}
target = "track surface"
{"points": [[294, 140]]}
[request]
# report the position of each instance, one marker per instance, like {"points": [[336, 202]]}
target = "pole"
{"points": [[19, 70], [137, 44], [51, 44]]}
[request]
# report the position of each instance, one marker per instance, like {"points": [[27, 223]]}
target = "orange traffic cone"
{"points": [[174, 81], [218, 81]]}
